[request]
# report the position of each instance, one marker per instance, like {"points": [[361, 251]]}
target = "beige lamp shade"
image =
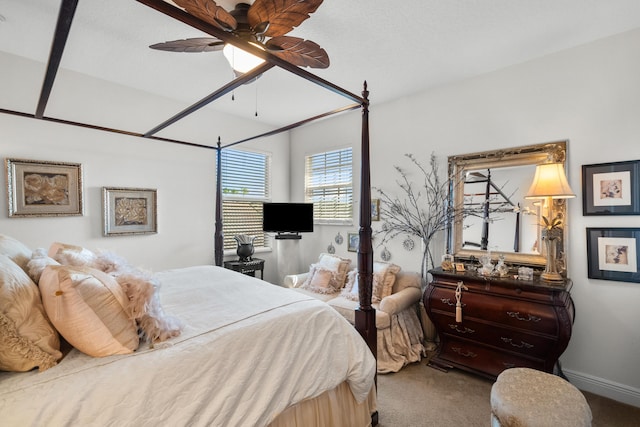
{"points": [[550, 181]]}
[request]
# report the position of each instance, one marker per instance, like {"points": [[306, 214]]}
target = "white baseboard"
{"points": [[612, 390]]}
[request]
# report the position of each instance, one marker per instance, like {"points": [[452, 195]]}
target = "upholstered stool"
{"points": [[523, 397]]}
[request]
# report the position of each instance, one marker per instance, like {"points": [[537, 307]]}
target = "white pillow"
{"points": [[28, 339], [350, 290], [88, 308], [71, 254]]}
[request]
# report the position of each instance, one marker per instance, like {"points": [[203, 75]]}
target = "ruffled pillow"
{"points": [[339, 266], [320, 280], [350, 290], [88, 308], [28, 339]]}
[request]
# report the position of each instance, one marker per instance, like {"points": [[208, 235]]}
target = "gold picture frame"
{"points": [[129, 211], [38, 188], [375, 209]]}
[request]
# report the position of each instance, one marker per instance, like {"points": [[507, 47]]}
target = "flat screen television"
{"points": [[287, 219]]}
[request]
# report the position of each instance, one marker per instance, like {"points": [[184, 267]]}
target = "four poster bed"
{"points": [[243, 358]]}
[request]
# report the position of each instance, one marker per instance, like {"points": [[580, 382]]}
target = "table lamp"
{"points": [[550, 182]]}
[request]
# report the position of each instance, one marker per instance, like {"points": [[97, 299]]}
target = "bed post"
{"points": [[218, 239], [365, 315]]}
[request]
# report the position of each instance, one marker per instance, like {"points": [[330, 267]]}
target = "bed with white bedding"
{"points": [[249, 351]]}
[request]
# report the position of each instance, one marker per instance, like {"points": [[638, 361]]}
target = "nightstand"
{"points": [[247, 267]]}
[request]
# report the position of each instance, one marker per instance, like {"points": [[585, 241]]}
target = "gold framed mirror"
{"points": [[487, 194]]}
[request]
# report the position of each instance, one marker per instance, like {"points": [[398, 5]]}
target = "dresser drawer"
{"points": [[508, 339], [478, 358], [506, 311]]}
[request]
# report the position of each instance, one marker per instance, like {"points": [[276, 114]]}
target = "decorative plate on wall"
{"points": [[339, 239], [385, 254], [408, 244], [331, 249]]}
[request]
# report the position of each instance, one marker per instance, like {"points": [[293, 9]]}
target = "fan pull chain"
{"points": [[256, 83], [458, 302]]}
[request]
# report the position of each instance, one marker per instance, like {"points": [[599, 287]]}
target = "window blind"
{"points": [[245, 186], [329, 186]]}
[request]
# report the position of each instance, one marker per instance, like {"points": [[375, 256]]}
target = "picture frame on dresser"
{"points": [[39, 188], [612, 254], [611, 188], [129, 211]]}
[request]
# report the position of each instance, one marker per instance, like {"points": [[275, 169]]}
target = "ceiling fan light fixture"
{"points": [[240, 60]]}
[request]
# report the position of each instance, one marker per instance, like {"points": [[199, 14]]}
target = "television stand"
{"points": [[288, 236]]}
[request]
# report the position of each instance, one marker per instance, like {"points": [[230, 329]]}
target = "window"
{"points": [[245, 186], [328, 185]]}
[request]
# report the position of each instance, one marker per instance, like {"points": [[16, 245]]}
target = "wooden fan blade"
{"points": [[199, 44], [210, 12], [282, 15], [297, 51]]}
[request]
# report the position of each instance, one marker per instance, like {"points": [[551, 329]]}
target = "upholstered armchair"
{"points": [[400, 336]]}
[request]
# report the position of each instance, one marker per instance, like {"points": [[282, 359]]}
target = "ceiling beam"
{"points": [[65, 18], [182, 16]]}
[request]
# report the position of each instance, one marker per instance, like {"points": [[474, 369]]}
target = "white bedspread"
{"points": [[249, 350]]}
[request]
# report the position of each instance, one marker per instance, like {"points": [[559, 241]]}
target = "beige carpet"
{"points": [[420, 396]]}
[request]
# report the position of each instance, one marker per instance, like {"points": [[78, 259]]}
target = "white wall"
{"points": [[589, 95], [184, 176]]}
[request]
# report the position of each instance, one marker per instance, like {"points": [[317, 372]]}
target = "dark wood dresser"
{"points": [[505, 322]]}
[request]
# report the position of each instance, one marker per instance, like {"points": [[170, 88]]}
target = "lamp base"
{"points": [[551, 277]]}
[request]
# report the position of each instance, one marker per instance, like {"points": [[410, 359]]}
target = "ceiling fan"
{"points": [[263, 24]]}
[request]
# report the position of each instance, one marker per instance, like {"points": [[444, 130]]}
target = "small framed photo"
{"points": [[611, 188], [129, 211], [612, 254], [459, 267], [353, 241], [42, 188], [375, 210]]}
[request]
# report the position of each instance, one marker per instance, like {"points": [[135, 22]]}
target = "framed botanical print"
{"points": [[611, 188], [129, 211], [43, 188], [613, 254]]}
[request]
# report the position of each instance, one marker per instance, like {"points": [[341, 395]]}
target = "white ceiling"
{"points": [[399, 48]]}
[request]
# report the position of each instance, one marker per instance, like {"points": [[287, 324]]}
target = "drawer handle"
{"points": [[462, 331], [522, 345], [448, 302], [463, 354], [529, 318]]}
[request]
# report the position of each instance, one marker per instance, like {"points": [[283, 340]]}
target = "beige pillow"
{"points": [[320, 280], [340, 266], [71, 254], [28, 339], [384, 276], [39, 261], [88, 308], [16, 250]]}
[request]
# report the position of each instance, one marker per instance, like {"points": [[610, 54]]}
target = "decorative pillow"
{"points": [[320, 280], [71, 255], [28, 339], [350, 290], [39, 261], [15, 250], [384, 276], [88, 308], [340, 266]]}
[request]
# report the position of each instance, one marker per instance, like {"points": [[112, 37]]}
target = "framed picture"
{"points": [[353, 241], [41, 188], [612, 254], [375, 209], [611, 188], [129, 211]]}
